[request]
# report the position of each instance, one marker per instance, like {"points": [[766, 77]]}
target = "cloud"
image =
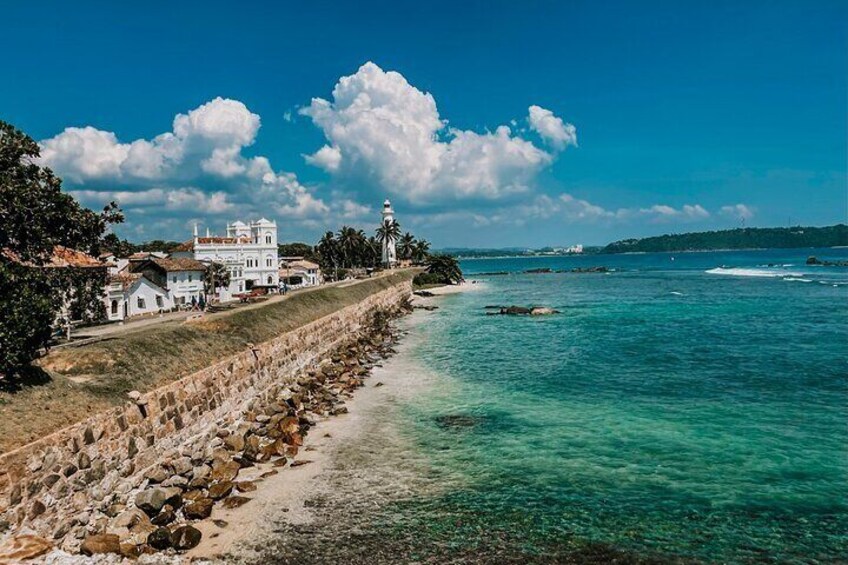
{"points": [[383, 130], [327, 158], [198, 167], [737, 212], [551, 128]]}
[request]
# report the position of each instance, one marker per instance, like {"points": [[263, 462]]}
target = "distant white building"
{"points": [[153, 285], [389, 251], [298, 272], [132, 294], [248, 251]]}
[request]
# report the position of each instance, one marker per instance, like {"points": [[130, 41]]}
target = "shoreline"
{"points": [[283, 496]]}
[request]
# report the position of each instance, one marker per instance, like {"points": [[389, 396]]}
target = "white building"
{"points": [[152, 286], [180, 276], [248, 251], [132, 294], [389, 252], [299, 273]]}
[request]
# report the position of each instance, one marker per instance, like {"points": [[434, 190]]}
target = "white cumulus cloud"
{"points": [[382, 128], [551, 128], [197, 167]]}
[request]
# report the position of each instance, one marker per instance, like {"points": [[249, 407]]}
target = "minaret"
{"points": [[389, 253], [195, 233]]}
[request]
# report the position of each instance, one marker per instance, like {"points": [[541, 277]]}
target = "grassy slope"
{"points": [[91, 378]]}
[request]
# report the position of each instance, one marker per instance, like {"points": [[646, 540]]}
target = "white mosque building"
{"points": [[249, 251], [389, 251]]}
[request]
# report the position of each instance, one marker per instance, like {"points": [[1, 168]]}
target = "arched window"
{"points": [[270, 279], [114, 307], [268, 238]]}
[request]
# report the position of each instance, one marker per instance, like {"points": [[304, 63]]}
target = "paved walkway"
{"points": [[95, 333]]}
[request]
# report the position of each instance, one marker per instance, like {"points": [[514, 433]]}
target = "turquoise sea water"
{"points": [[671, 410]]}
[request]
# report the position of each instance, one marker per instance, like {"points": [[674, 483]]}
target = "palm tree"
{"points": [[405, 245], [388, 232], [372, 247], [421, 251], [348, 245], [328, 248]]}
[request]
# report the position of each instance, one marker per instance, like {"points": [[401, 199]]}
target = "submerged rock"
{"points": [[458, 420]]}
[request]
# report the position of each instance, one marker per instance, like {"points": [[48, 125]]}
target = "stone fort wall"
{"points": [[98, 462]]}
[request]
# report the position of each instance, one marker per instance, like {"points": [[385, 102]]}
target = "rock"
{"points": [[225, 471], [36, 509], [220, 490], [234, 442], [542, 311], [101, 543], [130, 518], [134, 395], [182, 466], [516, 311], [25, 546], [199, 509], [300, 462], [378, 383], [201, 472], [130, 551], [175, 481], [193, 495], [152, 500], [165, 516], [185, 538], [269, 473], [221, 523], [160, 539], [235, 501], [245, 486], [157, 474]]}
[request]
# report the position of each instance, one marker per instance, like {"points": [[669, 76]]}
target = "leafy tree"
{"points": [[296, 249], [216, 277], [158, 245], [116, 246], [446, 267], [36, 216]]}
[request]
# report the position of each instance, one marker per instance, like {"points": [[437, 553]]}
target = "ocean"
{"points": [[686, 407]]}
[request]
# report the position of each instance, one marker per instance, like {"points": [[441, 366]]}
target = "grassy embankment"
{"points": [[80, 381]]}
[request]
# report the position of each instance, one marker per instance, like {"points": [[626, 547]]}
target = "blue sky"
{"points": [[651, 117]]}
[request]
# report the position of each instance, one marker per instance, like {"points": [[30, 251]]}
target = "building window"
{"points": [[241, 287], [159, 303], [114, 307], [140, 303], [190, 278], [268, 238], [269, 262], [270, 280], [174, 278]]}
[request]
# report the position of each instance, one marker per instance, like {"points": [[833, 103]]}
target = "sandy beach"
{"points": [[282, 497]]}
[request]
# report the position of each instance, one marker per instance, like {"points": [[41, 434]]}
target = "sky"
{"points": [[487, 123]]}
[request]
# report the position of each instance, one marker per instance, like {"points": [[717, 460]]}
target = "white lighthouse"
{"points": [[389, 252]]}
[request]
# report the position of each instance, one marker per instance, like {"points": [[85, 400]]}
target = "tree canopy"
{"points": [[35, 217]]}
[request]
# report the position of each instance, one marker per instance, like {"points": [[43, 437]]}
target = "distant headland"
{"points": [[739, 238]]}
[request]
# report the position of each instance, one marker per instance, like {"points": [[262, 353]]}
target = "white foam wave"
{"points": [[797, 279], [743, 272], [675, 293]]}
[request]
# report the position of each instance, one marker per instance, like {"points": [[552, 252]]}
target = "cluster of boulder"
{"points": [[813, 260], [184, 487], [520, 311]]}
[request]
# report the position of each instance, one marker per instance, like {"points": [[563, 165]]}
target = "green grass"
{"points": [[94, 377]]}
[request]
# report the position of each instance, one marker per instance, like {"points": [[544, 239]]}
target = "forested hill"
{"points": [[740, 238]]}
